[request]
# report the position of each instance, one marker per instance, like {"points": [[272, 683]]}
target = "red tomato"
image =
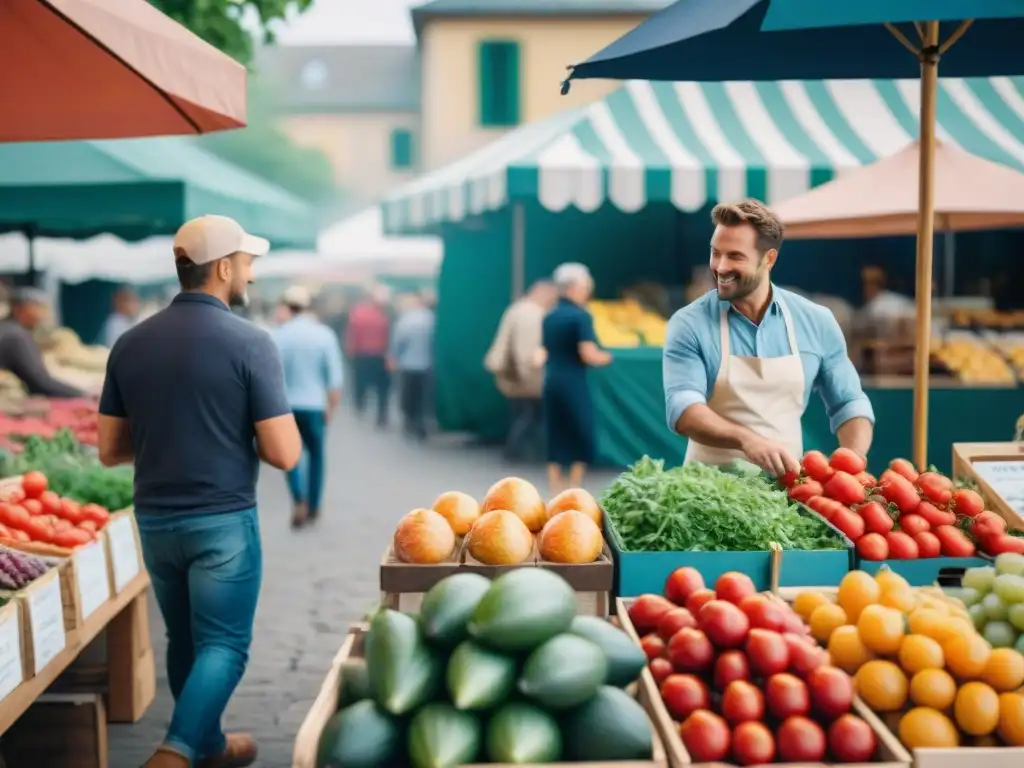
{"points": [[71, 511], [96, 513], [988, 524], [5, 533], [851, 740], [848, 522], [653, 646], [33, 483], [876, 517], [899, 491], [953, 541], [866, 479], [33, 506], [927, 545], [20, 535], [831, 692], [37, 529], [705, 736], [845, 489], [14, 516], [967, 502], [734, 586], [937, 488], [674, 620], [934, 515], [742, 701], [697, 600], [873, 546], [764, 613], [88, 525], [689, 650], [753, 744], [786, 695], [901, 546], [1004, 543], [767, 652], [723, 623], [729, 667], [803, 657], [804, 490], [913, 524], [788, 479], [847, 460], [683, 695], [816, 466], [645, 612], [800, 740], [904, 468], [51, 503], [71, 538], [682, 583], [660, 668], [824, 506]]}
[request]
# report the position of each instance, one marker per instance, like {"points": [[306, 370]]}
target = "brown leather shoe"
{"points": [[240, 751], [167, 758], [300, 513]]}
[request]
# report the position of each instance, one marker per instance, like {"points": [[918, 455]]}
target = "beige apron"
{"points": [[763, 394]]}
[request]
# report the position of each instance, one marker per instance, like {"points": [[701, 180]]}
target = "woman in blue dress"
{"points": [[570, 347]]}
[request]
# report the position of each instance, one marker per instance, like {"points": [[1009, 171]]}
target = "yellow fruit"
{"points": [[824, 620], [1004, 670], [888, 579], [918, 652], [575, 498], [847, 650], [882, 685], [460, 510], [923, 727], [500, 537], [519, 496], [900, 598], [933, 688], [806, 602], [933, 603], [570, 537], [423, 537], [976, 709], [966, 656], [881, 629], [857, 591], [1011, 719], [932, 623]]}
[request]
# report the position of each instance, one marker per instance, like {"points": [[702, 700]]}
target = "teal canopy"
{"points": [[136, 188]]}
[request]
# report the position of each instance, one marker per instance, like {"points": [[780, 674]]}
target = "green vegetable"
{"points": [[478, 678], [441, 736], [701, 508], [448, 606], [564, 672], [404, 673], [522, 609], [610, 726], [360, 736], [519, 734], [625, 658], [355, 682]]}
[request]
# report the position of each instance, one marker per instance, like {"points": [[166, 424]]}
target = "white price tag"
{"points": [[12, 667], [1006, 479], [124, 553], [46, 620], [91, 574]]}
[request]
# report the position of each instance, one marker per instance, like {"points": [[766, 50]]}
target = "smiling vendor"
{"points": [[741, 361]]}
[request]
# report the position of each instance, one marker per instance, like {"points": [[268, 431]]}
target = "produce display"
{"points": [[45, 418], [19, 569], [994, 597], [916, 656], [697, 507], [507, 528], [32, 514], [904, 514], [496, 671], [972, 359], [744, 679], [626, 323]]}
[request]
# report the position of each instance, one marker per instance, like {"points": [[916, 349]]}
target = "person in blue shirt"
{"points": [[311, 357], [740, 363], [411, 356]]}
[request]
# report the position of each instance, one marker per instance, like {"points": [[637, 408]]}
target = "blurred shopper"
{"points": [[312, 378], [19, 352], [511, 360], [367, 337], [195, 397], [125, 315], [412, 358], [570, 347]]}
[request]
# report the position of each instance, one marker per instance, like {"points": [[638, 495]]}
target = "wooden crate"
{"points": [[85, 583], [326, 704], [12, 652], [124, 548], [42, 619], [998, 470], [59, 730], [890, 754]]}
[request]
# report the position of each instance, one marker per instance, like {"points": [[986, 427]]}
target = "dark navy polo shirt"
{"points": [[192, 381]]}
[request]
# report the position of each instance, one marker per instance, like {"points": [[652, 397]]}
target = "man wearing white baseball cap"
{"points": [[195, 397]]}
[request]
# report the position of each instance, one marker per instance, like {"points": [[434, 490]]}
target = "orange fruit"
{"points": [[857, 591], [882, 685], [825, 619], [966, 656], [1011, 719], [937, 625], [806, 602], [888, 579], [923, 727], [976, 709], [933, 688], [918, 652], [847, 650], [881, 629], [900, 598], [1004, 670]]}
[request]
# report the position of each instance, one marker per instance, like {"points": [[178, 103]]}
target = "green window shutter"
{"points": [[499, 83], [401, 149]]}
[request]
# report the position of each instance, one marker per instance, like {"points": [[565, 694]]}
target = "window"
{"points": [[401, 149], [499, 83]]}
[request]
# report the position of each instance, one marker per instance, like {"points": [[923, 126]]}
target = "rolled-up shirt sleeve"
{"points": [[684, 374], [838, 382]]}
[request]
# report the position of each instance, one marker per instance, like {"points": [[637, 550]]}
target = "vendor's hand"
{"points": [[769, 455]]}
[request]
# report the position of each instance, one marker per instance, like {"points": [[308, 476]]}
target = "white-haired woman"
{"points": [[570, 347]]}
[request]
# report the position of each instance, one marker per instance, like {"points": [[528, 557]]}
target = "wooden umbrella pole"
{"points": [[925, 231]]}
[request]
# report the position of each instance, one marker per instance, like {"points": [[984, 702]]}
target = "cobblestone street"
{"points": [[317, 581]]}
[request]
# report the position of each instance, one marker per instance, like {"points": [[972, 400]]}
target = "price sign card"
{"points": [[1006, 479], [12, 667], [46, 621], [124, 553], [93, 582]]}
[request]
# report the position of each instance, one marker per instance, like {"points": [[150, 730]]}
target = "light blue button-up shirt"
{"points": [[412, 340], [311, 357], [693, 353]]}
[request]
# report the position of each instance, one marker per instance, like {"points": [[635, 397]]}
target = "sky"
{"points": [[350, 22]]}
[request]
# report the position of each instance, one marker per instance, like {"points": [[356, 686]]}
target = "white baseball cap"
{"points": [[297, 296], [209, 238]]}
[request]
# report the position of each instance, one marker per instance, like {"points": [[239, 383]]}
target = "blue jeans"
{"points": [[206, 571], [306, 481]]}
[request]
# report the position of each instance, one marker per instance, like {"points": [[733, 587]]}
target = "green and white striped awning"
{"points": [[695, 143]]}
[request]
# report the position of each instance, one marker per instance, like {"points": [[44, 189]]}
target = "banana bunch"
{"points": [[973, 361], [627, 323]]}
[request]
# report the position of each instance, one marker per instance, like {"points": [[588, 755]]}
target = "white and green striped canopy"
{"points": [[695, 143]]}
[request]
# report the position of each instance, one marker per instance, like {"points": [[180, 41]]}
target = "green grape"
{"points": [[1019, 645], [965, 595], [995, 608], [1010, 588], [1016, 615], [1010, 562], [999, 634], [977, 612], [980, 578]]}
